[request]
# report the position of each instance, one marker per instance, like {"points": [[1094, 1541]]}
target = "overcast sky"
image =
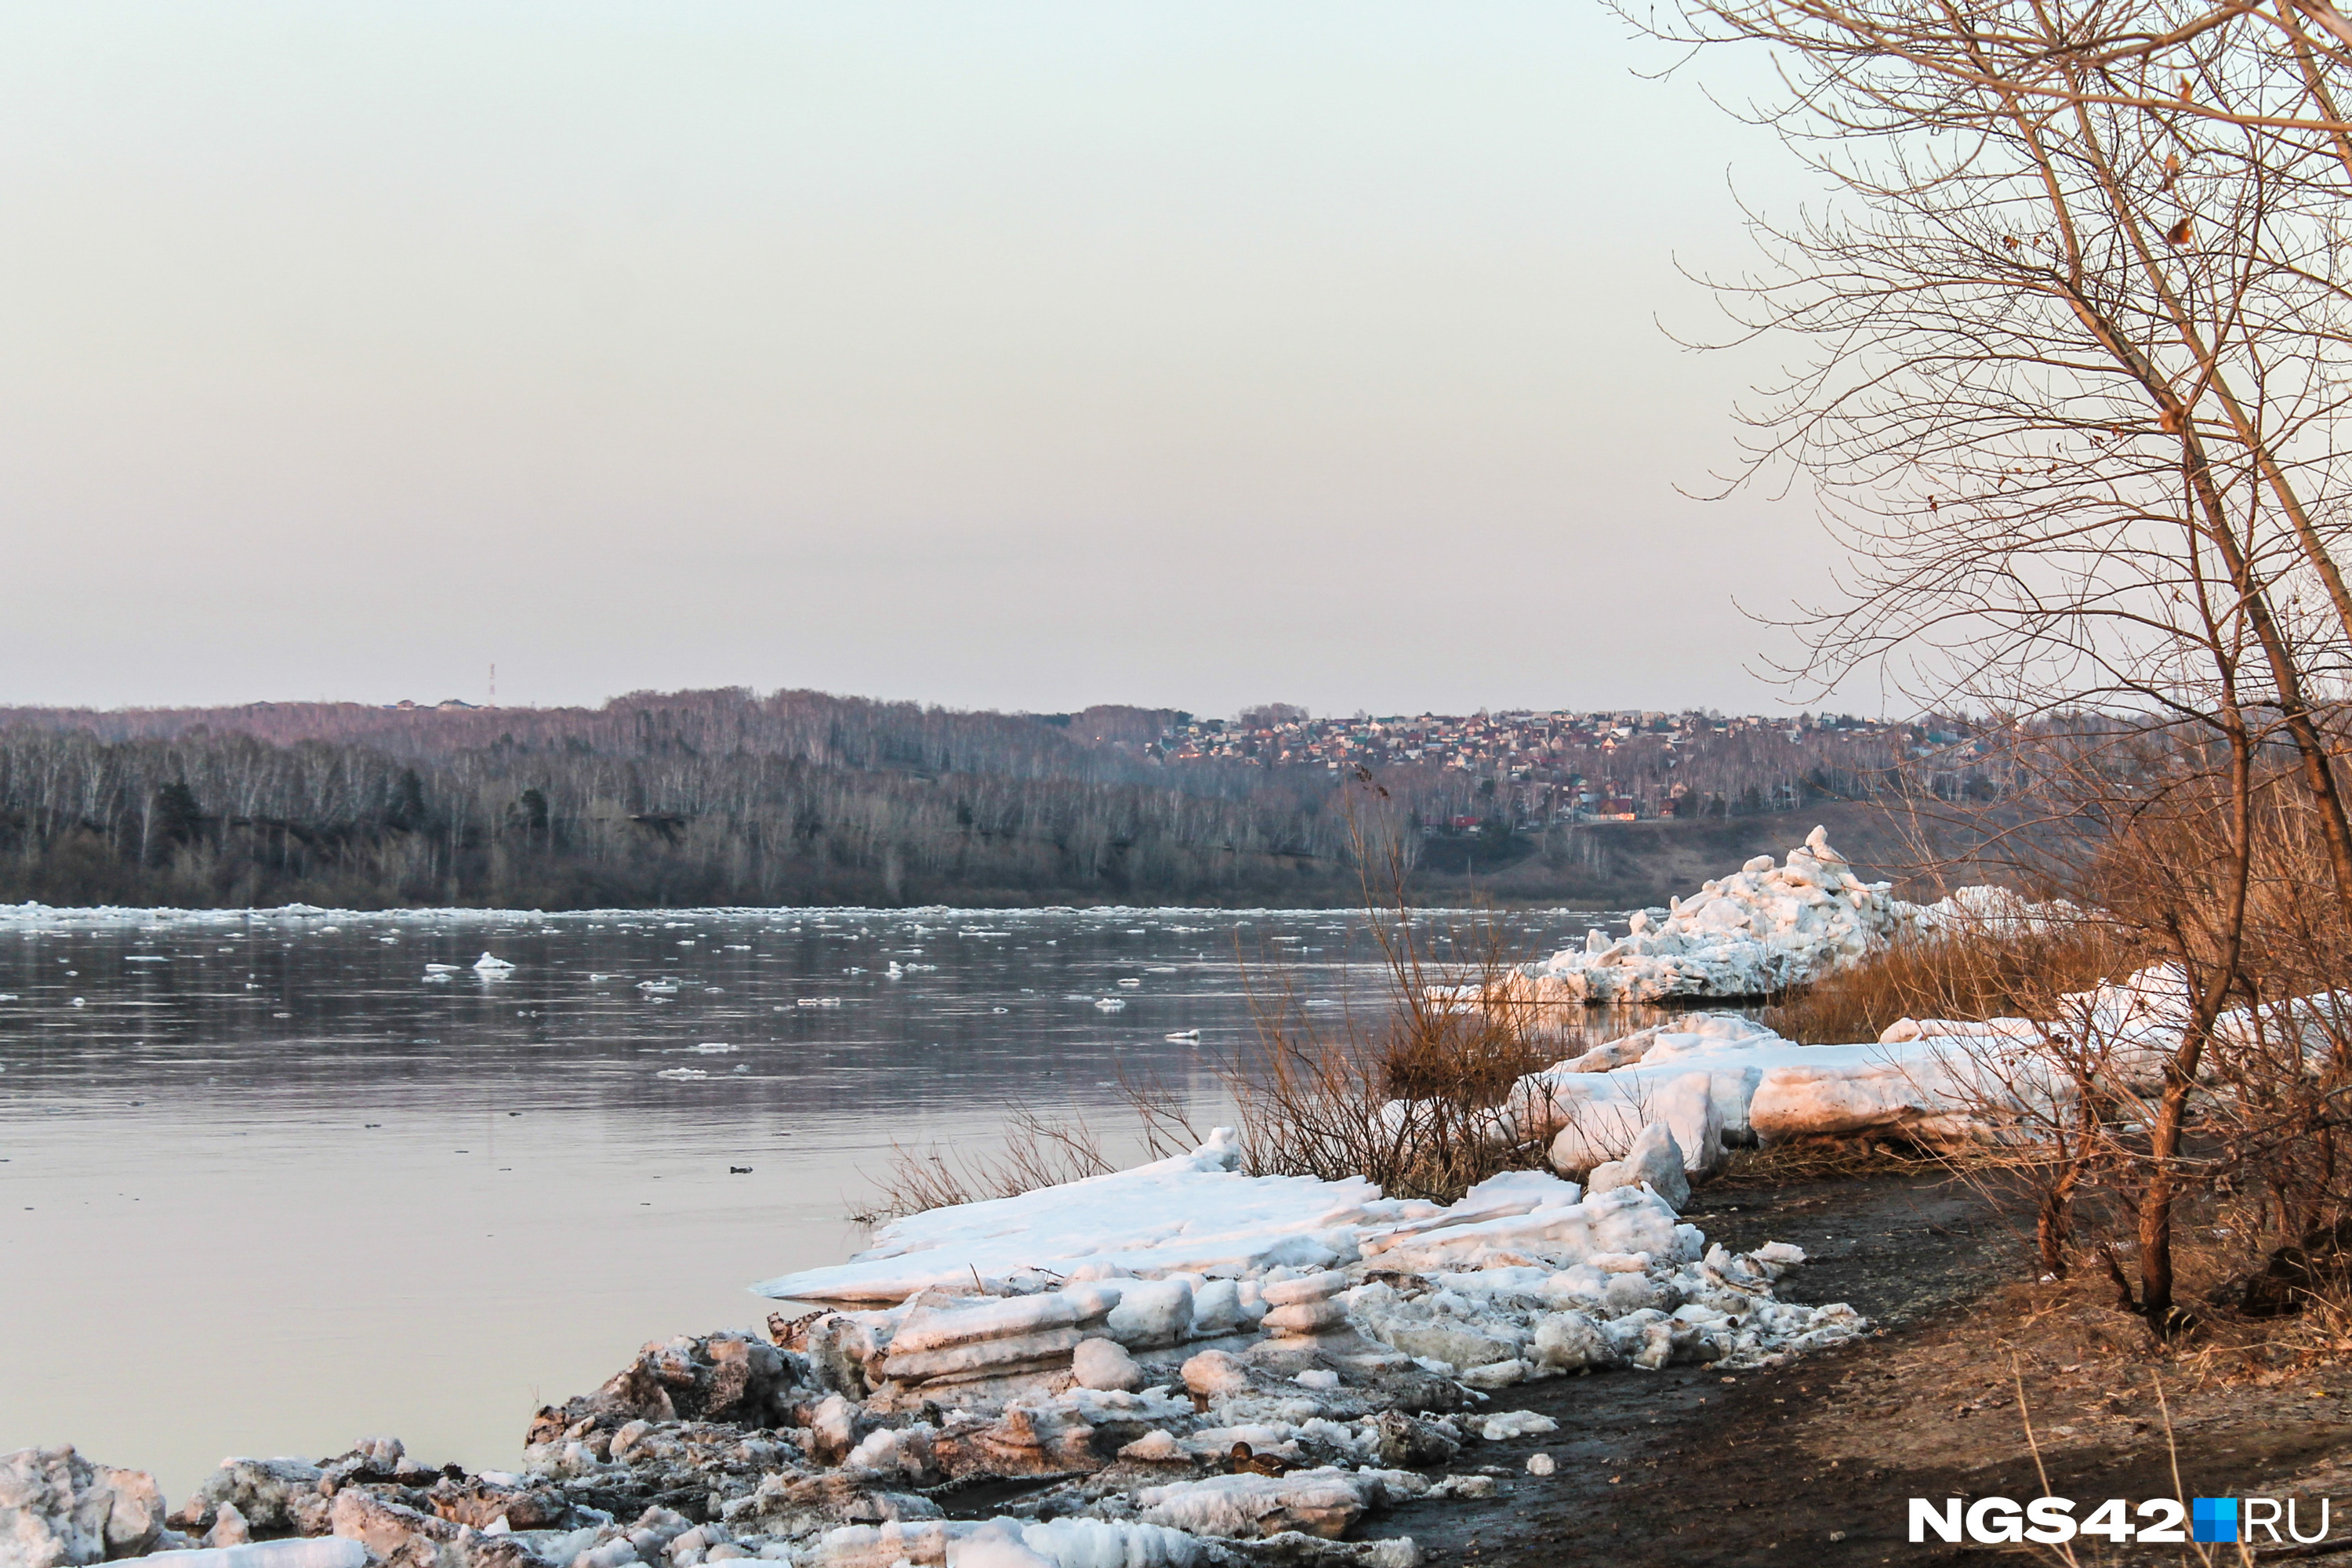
{"points": [[997, 355]]}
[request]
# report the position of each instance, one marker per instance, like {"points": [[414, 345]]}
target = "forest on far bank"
{"points": [[701, 798]]}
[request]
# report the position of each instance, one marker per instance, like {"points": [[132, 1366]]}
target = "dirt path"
{"points": [[1814, 1463]]}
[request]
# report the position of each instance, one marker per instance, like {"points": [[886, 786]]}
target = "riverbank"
{"points": [[1815, 1462], [1811, 1461], [1175, 1364]]}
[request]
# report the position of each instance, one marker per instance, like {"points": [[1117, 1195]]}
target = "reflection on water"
{"points": [[266, 1187]]}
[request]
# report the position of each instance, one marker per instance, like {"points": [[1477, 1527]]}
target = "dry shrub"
{"points": [[1964, 972], [1414, 1098], [2190, 1156]]}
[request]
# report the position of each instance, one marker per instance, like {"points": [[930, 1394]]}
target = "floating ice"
{"points": [[489, 964]]}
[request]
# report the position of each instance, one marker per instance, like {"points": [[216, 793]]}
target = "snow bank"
{"points": [[981, 1309], [1755, 932], [1758, 931], [302, 1551], [1161, 1407], [1996, 911], [1716, 1093], [1715, 1081], [1189, 1212]]}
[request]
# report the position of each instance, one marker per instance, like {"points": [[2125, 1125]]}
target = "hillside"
{"points": [[726, 797]]}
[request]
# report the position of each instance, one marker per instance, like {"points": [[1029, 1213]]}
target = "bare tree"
{"points": [[2075, 396]]}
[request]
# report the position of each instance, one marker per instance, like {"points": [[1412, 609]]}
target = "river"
{"points": [[267, 1187]]}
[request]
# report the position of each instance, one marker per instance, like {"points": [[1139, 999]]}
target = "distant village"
{"points": [[1533, 768]]}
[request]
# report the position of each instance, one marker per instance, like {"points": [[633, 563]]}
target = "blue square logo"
{"points": [[2213, 1519]]}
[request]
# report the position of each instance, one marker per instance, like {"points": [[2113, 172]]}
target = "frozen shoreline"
{"points": [[1331, 1349]]}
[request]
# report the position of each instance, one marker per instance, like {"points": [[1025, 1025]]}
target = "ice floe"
{"points": [[1753, 933], [1760, 930]]}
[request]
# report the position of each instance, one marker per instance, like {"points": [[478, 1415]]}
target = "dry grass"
{"points": [[1827, 1159], [1039, 1151], [1412, 1092], [1956, 974]]}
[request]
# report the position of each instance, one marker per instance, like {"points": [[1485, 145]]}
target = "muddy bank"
{"points": [[1814, 1462]]}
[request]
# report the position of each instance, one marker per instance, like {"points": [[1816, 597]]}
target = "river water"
{"points": [[266, 1187]]}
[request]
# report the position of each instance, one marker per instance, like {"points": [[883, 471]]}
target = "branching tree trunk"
{"points": [[2078, 357]]}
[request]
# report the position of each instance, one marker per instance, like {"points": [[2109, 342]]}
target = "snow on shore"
{"points": [[1760, 930], [1189, 1212], [1195, 1367], [1718, 1081], [1756, 932], [1188, 1249]]}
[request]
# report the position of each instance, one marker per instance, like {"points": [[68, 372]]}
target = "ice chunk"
{"points": [[1104, 1364], [1212, 1373], [1322, 1502], [1654, 1160], [1747, 935], [57, 1506], [1306, 1287], [1152, 1312]]}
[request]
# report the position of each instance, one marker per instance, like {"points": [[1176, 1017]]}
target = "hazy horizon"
{"points": [[592, 704], [1180, 356]]}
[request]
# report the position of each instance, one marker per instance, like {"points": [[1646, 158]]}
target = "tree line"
{"points": [[699, 797], [211, 819]]}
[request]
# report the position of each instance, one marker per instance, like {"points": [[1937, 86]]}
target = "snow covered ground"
{"points": [[1317, 1272], [1719, 1080], [1756, 932]]}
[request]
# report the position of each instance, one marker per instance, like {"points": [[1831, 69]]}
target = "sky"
{"points": [[1016, 355]]}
